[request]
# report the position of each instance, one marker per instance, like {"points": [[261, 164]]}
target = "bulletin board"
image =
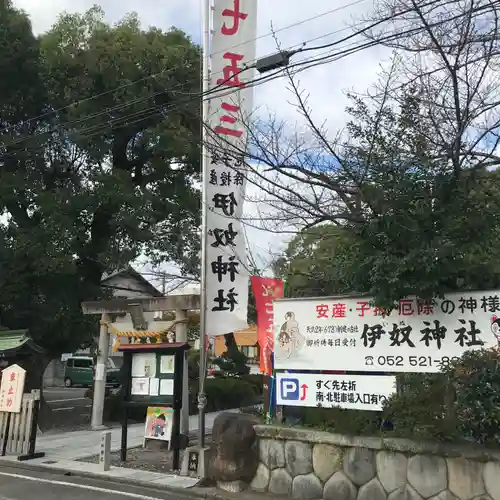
{"points": [[153, 377]]}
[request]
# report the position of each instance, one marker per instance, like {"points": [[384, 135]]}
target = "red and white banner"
{"points": [[265, 291], [232, 50]]}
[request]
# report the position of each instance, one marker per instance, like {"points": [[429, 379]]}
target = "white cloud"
{"points": [[325, 84]]}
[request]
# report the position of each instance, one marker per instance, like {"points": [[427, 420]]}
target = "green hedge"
{"points": [[461, 404], [256, 381], [222, 394]]}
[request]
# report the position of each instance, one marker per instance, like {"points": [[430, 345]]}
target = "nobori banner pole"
{"points": [[207, 12], [100, 374]]}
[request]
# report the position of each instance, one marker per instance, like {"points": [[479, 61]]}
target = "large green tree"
{"points": [[316, 262], [98, 162]]}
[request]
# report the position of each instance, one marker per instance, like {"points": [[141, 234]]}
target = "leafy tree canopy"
{"points": [[98, 160]]}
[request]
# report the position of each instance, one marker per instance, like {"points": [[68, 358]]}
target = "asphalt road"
{"points": [[21, 484], [71, 410], [71, 400]]}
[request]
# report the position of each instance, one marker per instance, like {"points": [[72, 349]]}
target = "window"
{"points": [[115, 362], [69, 363], [82, 363]]}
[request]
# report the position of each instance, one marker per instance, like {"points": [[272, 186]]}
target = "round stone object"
{"points": [[427, 474], [359, 465], [307, 487], [339, 487], [298, 457], [235, 454], [327, 460]]}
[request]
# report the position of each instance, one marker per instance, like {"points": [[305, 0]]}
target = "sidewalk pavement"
{"points": [[62, 452]]}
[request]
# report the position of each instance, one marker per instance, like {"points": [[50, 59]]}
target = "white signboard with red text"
{"points": [[352, 392], [350, 334], [12, 389], [232, 48]]}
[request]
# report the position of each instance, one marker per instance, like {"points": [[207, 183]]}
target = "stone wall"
{"points": [[312, 465]]}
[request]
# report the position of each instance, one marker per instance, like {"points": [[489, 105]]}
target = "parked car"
{"points": [[79, 370]]}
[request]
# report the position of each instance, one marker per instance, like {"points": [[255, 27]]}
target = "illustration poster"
{"points": [[159, 423], [167, 364]]}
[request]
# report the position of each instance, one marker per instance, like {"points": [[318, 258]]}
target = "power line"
{"points": [[160, 73], [194, 96], [307, 64], [393, 15], [149, 96]]}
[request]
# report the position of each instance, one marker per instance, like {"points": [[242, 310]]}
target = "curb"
{"points": [[193, 491]]}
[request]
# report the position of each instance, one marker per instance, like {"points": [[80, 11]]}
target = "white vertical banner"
{"points": [[227, 277]]}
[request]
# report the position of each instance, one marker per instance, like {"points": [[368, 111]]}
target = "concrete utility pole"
{"points": [[205, 163], [100, 374]]}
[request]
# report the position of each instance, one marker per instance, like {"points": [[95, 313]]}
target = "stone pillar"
{"points": [[100, 374]]}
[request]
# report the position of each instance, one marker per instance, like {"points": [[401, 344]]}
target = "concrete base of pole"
{"points": [[194, 462], [99, 428]]}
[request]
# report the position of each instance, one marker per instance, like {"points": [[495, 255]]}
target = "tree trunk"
{"points": [[35, 367], [231, 345]]}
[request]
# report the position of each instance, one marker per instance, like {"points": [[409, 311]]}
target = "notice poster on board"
{"points": [[140, 386], [159, 423], [166, 387], [167, 364], [144, 365]]}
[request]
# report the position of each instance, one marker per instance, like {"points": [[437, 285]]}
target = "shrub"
{"points": [[475, 380], [194, 365], [232, 364], [419, 409], [338, 420], [256, 380], [224, 394], [462, 403]]}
